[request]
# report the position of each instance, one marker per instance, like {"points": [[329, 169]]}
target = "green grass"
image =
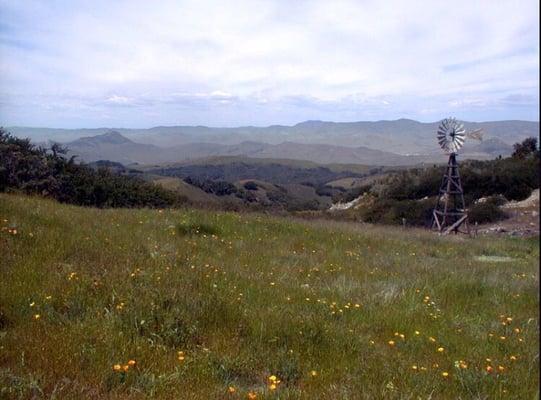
{"points": [[250, 296]]}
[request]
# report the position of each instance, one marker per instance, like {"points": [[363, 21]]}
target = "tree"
{"points": [[525, 149], [30, 169]]}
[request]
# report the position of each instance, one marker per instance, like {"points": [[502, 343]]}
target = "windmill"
{"points": [[450, 213]]}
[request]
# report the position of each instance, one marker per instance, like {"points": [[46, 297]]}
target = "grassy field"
{"points": [[189, 304]]}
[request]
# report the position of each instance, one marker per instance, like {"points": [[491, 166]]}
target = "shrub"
{"points": [[250, 185], [35, 170], [486, 212], [217, 187], [390, 211], [325, 190]]}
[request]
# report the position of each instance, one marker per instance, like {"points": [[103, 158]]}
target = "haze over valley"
{"points": [[399, 142]]}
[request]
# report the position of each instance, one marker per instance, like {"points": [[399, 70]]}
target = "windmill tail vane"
{"points": [[476, 134]]}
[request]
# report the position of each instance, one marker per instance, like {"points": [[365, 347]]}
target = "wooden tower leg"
{"points": [[450, 214]]}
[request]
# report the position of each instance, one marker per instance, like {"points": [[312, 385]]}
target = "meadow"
{"points": [[191, 304]]}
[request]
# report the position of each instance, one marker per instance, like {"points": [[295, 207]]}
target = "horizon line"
{"points": [[260, 126]]}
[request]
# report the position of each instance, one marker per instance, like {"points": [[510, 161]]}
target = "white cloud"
{"points": [[338, 59]]}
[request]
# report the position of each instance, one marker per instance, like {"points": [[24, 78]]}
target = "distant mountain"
{"points": [[399, 142], [494, 147], [327, 154], [402, 136], [109, 138], [115, 147]]}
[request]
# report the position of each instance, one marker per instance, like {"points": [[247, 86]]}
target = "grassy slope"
{"points": [[191, 192], [262, 296]]}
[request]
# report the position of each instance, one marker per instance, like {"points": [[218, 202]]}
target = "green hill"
{"points": [[188, 304]]}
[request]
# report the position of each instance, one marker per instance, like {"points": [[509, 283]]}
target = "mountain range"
{"points": [[399, 142]]}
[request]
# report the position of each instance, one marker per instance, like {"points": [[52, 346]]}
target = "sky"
{"points": [[138, 64]]}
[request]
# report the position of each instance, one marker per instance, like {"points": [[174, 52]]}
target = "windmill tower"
{"points": [[450, 214]]}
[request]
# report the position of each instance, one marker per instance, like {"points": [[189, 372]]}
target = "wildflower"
{"points": [[117, 367], [272, 386], [125, 368], [489, 369], [391, 342], [131, 363], [417, 333], [231, 389], [513, 358], [517, 330], [37, 316], [445, 374], [252, 396], [272, 378], [441, 349], [414, 367], [431, 339], [501, 368], [313, 373]]}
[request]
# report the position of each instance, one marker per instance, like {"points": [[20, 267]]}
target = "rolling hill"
{"points": [[115, 147]]}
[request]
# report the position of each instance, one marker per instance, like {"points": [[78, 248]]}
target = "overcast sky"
{"points": [[227, 63]]}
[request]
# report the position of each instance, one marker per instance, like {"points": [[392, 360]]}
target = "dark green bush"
{"points": [[486, 212], [297, 205], [250, 185], [35, 170], [390, 211]]}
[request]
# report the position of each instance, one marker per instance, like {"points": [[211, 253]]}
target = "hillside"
{"points": [[197, 305]]}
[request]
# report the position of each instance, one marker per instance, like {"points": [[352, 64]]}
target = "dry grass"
{"points": [[333, 312]]}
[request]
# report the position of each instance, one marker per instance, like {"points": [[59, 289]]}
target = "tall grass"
{"points": [[222, 305]]}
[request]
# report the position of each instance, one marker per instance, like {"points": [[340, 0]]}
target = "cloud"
{"points": [[265, 61]]}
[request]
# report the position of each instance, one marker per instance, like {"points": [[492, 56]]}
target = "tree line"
{"points": [[31, 169]]}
